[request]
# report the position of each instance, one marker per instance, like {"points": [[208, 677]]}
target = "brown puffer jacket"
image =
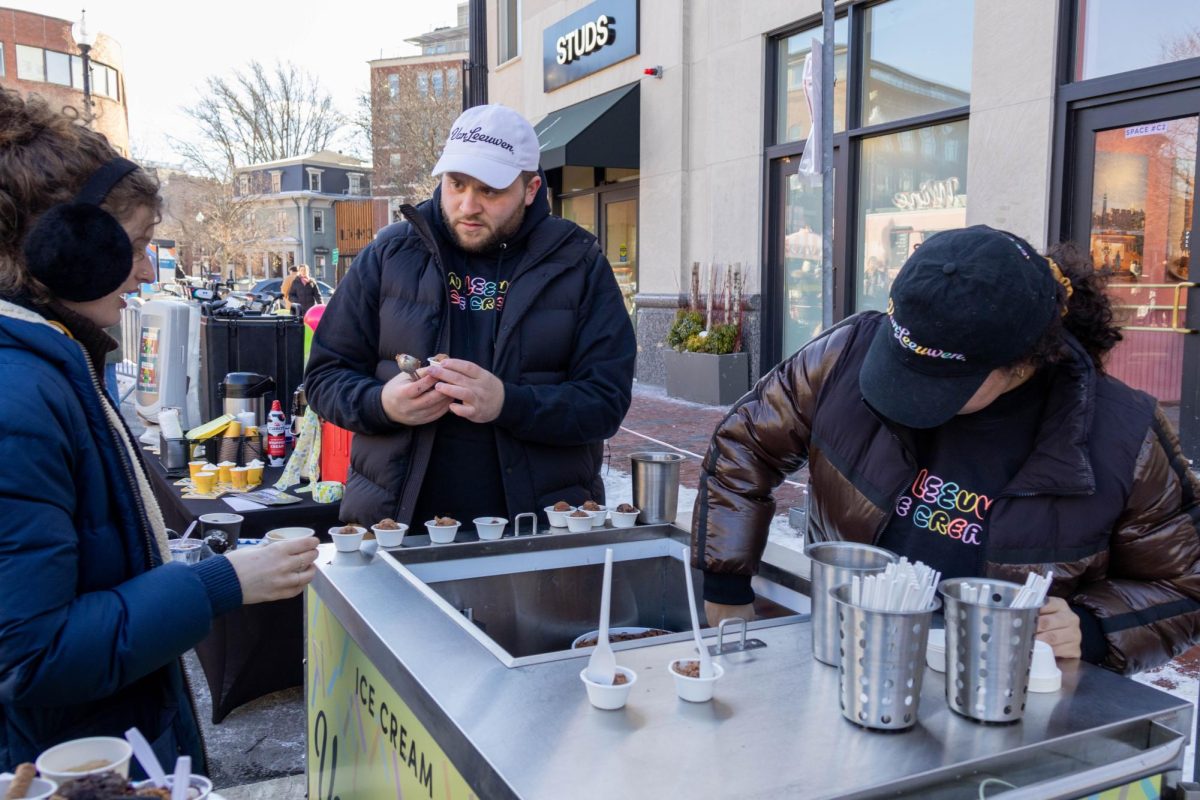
{"points": [[1105, 499]]}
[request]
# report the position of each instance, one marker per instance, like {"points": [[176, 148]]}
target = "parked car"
{"points": [[271, 286]]}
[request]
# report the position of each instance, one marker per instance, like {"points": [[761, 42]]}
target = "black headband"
{"points": [[103, 180]]}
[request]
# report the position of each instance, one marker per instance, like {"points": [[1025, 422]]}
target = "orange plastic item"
{"points": [[335, 452]]}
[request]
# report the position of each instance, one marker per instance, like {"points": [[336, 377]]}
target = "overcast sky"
{"points": [[170, 47]]}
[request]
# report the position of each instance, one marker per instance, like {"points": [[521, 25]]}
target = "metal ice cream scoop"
{"points": [[409, 364]]}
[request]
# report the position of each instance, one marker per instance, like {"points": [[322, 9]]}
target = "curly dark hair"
{"points": [[46, 156], [1089, 313]]}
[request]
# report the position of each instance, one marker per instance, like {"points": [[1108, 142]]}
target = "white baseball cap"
{"points": [[492, 143]]}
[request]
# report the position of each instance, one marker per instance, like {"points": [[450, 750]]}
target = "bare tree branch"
{"points": [[258, 115]]}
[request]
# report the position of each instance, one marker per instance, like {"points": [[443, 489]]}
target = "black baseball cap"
{"points": [[966, 302]]}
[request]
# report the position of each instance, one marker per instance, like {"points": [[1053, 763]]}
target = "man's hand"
{"points": [[719, 611], [1058, 627], [276, 571], [412, 402], [479, 392]]}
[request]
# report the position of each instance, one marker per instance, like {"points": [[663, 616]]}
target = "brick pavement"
{"points": [[655, 420]]}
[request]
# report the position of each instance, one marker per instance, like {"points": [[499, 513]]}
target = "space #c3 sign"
{"points": [[593, 38]]}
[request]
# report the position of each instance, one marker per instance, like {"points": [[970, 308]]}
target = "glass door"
{"points": [[619, 234], [1133, 208]]}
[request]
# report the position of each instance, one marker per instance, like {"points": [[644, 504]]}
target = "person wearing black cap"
{"points": [[972, 426], [93, 614]]}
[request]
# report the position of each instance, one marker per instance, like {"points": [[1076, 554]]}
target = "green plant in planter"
{"points": [[687, 335]]}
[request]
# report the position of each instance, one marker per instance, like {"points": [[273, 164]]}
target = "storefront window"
{"points": [[792, 118], [1114, 36], [914, 183], [917, 58], [575, 179], [581, 210], [801, 258]]}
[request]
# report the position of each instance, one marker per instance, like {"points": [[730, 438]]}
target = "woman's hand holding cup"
{"points": [[276, 572]]}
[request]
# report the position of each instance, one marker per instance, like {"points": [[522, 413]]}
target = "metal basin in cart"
{"points": [[527, 598]]}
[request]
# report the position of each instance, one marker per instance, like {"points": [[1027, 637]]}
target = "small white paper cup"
{"points": [[58, 762], [198, 782], [624, 519], [599, 516], [347, 542], [441, 534], [695, 690], [557, 519], [393, 537], [489, 528], [40, 789], [281, 534], [580, 524], [609, 698], [935, 650]]}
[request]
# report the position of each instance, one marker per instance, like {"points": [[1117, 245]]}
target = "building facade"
{"points": [[414, 99], [293, 203], [39, 55], [674, 130]]}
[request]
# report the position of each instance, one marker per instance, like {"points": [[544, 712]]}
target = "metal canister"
{"points": [[989, 649], [881, 662], [835, 563], [656, 486]]}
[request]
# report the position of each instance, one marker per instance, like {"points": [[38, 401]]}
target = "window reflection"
{"points": [[1113, 36], [918, 58], [914, 184], [792, 118], [801, 258]]}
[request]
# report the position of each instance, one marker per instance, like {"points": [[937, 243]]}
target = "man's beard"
{"points": [[497, 237]]}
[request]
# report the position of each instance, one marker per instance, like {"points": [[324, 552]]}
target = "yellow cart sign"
{"points": [[363, 740]]}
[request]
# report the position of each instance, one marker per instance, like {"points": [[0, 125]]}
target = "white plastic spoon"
{"points": [[706, 665], [145, 756], [602, 666], [183, 778]]}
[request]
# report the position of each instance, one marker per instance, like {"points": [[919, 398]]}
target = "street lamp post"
{"points": [[84, 38]]}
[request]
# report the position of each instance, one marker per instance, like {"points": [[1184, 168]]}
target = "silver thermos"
{"points": [[246, 391]]}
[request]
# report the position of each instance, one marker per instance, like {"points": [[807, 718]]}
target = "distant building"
{"points": [[39, 55], [293, 202], [413, 101]]}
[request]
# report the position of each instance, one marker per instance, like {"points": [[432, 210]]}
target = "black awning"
{"points": [[602, 131]]}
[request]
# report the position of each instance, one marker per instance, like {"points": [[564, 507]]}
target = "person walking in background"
{"points": [[541, 349], [286, 286], [114, 357], [94, 615], [304, 292], [972, 426]]}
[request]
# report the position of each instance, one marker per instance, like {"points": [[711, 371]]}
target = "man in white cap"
{"points": [[540, 350]]}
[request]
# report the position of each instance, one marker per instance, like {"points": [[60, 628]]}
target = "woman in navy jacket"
{"points": [[93, 616]]}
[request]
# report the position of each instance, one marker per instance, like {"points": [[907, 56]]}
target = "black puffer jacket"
{"points": [[564, 348], [1105, 498]]}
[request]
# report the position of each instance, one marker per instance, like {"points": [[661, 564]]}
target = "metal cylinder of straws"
{"points": [[989, 649], [881, 662], [835, 563]]}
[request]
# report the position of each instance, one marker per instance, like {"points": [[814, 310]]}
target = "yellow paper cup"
{"points": [[205, 481], [239, 477], [254, 475], [196, 466], [225, 471]]}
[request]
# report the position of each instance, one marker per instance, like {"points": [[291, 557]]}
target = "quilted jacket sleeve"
{"points": [[764, 438], [60, 644], [1148, 605], [589, 405], [340, 381]]}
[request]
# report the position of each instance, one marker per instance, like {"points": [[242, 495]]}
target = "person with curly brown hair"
{"points": [[972, 427], [93, 614]]}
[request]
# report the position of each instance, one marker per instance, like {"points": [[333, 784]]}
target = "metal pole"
{"points": [[477, 27], [84, 49], [827, 73]]}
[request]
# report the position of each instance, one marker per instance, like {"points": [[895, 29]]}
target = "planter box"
{"points": [[704, 378]]}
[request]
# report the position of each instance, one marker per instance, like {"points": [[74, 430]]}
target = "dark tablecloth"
{"points": [[259, 649]]}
